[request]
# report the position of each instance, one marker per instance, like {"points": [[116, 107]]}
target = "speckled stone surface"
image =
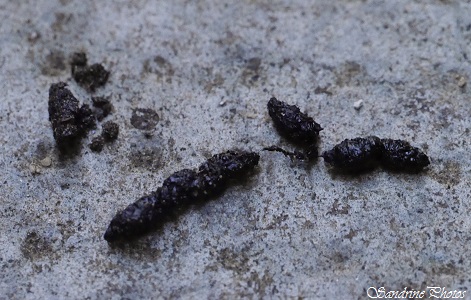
{"points": [[200, 74]]}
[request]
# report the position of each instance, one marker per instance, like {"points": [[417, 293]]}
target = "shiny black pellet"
{"points": [[401, 156], [295, 126], [360, 154], [180, 189], [292, 123], [355, 155]]}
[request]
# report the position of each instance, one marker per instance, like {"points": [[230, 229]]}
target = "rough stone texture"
{"points": [[208, 69]]}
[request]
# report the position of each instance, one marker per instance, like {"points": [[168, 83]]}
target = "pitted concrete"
{"points": [[208, 68]]}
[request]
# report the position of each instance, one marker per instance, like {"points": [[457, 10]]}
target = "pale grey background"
{"points": [[288, 232]]}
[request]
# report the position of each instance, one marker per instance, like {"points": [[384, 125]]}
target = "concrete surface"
{"points": [[208, 68]]}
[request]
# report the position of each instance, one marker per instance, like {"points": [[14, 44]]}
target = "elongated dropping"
{"points": [[181, 189], [295, 126]]}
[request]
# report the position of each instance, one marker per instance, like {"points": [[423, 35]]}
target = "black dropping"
{"points": [[109, 134], [110, 131], [78, 59], [87, 118], [355, 155], [97, 144], [179, 190], [137, 218], [69, 121], [360, 154], [103, 107], [89, 77], [292, 123], [295, 126], [401, 156]]}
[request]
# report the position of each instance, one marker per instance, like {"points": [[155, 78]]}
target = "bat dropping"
{"points": [[401, 156], [355, 155], [361, 154], [103, 107], [69, 121], [89, 77], [292, 123], [97, 144], [180, 190], [110, 131], [295, 126]]}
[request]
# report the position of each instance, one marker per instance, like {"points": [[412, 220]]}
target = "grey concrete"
{"points": [[289, 231]]}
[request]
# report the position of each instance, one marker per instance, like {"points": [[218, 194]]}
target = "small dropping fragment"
{"points": [[97, 144], [79, 59], [144, 118], [103, 107], [110, 131], [89, 77]]}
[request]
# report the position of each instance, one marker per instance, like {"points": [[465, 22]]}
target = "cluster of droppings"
{"points": [[352, 155], [70, 122]]}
